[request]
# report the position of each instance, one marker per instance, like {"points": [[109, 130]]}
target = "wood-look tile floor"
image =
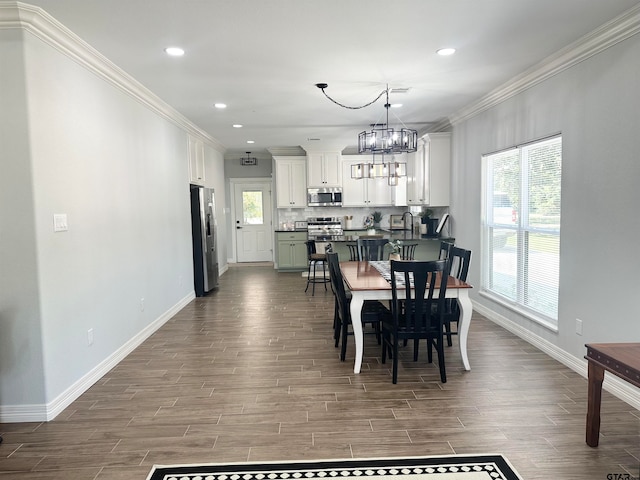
{"points": [[250, 373]]}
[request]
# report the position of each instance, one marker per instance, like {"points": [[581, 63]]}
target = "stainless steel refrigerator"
{"points": [[204, 231]]}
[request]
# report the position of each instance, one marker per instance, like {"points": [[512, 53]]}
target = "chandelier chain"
{"points": [[360, 106]]}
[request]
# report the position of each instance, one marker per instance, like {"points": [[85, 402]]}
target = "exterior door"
{"points": [[252, 201]]}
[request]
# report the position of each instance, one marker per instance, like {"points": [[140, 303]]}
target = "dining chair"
{"points": [[353, 251], [370, 249], [444, 250], [421, 316], [408, 251], [459, 260], [372, 310], [313, 258]]}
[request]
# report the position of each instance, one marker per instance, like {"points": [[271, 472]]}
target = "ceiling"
{"points": [[263, 58]]}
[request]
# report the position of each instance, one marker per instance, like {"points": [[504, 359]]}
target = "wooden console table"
{"points": [[621, 359]]}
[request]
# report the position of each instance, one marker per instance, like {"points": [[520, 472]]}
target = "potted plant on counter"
{"points": [[429, 224], [368, 225], [425, 215], [377, 218]]}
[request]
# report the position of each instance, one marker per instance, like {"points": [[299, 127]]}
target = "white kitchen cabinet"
{"points": [[196, 160], [365, 192], [429, 171], [324, 169], [291, 182]]}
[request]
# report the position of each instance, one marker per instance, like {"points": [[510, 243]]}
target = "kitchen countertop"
{"points": [[387, 234], [352, 235]]}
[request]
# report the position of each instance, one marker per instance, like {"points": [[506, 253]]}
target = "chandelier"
{"points": [[382, 140], [248, 160]]}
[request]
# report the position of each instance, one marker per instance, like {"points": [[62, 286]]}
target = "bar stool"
{"points": [[313, 258]]}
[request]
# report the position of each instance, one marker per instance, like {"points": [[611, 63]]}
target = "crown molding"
{"points": [[35, 21], [295, 151], [611, 33]]}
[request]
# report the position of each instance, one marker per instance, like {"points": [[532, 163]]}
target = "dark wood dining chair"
{"points": [[370, 249], [422, 314], [445, 247], [459, 260], [372, 311], [353, 251], [408, 251]]}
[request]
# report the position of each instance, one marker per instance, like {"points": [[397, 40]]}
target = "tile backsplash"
{"points": [[287, 216]]}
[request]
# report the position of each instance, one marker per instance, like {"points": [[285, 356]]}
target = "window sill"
{"points": [[529, 315]]}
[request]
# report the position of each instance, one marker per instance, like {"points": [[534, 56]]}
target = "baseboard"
{"points": [[612, 384], [23, 413], [41, 413]]}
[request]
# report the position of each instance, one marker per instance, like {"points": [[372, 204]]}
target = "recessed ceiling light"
{"points": [[237, 125], [446, 51], [174, 51], [250, 141], [220, 105]]}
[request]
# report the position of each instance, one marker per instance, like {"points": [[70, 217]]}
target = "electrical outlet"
{"points": [[90, 336], [578, 326], [142, 304]]}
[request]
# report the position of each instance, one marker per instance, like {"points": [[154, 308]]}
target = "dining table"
{"points": [[619, 359], [366, 281]]}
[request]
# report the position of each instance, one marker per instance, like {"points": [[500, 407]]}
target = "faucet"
{"points": [[405, 222]]}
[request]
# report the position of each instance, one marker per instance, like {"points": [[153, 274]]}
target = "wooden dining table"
{"points": [[619, 359], [367, 283]]}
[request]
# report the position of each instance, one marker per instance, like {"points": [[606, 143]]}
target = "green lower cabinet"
{"points": [[292, 250]]}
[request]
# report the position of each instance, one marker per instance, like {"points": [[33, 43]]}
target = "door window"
{"points": [[252, 207]]}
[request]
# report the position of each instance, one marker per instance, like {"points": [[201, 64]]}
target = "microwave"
{"points": [[324, 197]]}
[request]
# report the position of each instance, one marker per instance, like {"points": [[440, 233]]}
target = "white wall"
{"points": [[21, 362], [595, 104], [79, 143]]}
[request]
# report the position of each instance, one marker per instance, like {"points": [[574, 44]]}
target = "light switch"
{"points": [[60, 222]]}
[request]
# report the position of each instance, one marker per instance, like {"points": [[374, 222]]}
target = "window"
{"points": [[521, 227], [252, 208]]}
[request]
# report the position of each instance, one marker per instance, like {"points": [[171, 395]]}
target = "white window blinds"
{"points": [[521, 226]]}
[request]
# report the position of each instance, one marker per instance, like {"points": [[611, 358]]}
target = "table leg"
{"points": [[356, 321], [594, 397], [464, 302]]}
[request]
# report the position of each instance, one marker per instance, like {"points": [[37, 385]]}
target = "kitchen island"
{"points": [[427, 248]]}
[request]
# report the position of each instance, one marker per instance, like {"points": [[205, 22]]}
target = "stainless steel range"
{"points": [[324, 228]]}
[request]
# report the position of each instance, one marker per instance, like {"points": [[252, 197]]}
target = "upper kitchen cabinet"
{"points": [[324, 169], [369, 192], [291, 182], [428, 171], [196, 161]]}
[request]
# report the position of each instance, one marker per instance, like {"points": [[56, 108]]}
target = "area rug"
{"points": [[455, 467]]}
